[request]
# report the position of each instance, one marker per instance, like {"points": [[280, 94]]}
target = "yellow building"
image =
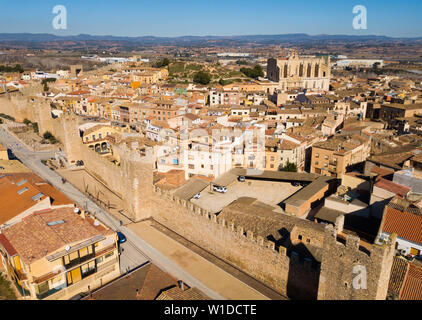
{"points": [[334, 156], [3, 153], [57, 254]]}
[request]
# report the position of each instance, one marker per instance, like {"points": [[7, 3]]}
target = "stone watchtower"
{"points": [[136, 168], [351, 272]]}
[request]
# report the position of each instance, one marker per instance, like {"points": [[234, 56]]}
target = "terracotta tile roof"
{"points": [[176, 293], [412, 286], [392, 187], [398, 273], [149, 280], [381, 171], [34, 239], [406, 225], [287, 145], [57, 198], [7, 245], [16, 197]]}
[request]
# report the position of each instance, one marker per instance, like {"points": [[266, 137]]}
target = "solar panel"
{"points": [[37, 196], [55, 223], [21, 182], [22, 190]]}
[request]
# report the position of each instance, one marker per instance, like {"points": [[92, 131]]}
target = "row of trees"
{"points": [[16, 68]]}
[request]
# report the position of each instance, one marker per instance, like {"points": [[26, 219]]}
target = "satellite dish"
{"points": [[67, 248]]}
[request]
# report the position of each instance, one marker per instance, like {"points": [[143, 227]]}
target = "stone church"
{"points": [[305, 72]]}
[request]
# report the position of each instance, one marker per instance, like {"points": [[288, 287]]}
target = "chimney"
{"points": [[181, 285]]}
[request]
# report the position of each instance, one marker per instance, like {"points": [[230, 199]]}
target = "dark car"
{"points": [[122, 237]]}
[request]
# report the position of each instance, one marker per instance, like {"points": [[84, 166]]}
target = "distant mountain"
{"points": [[41, 39]]}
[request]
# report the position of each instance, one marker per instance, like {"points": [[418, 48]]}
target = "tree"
{"points": [[162, 63], [202, 77], [26, 121], [35, 127], [289, 167], [254, 72], [47, 135]]}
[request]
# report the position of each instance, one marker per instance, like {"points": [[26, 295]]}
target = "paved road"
{"points": [[136, 251]]}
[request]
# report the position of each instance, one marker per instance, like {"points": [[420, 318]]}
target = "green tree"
{"points": [[47, 135], [162, 63], [289, 167], [26, 121], [35, 127], [254, 72], [202, 77]]}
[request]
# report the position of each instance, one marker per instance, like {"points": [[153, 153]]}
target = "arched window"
{"points": [[301, 70], [316, 70], [285, 70], [308, 72]]}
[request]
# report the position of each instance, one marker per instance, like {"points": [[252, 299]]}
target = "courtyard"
{"points": [[268, 192]]}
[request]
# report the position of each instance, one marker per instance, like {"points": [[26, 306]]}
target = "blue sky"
{"points": [[212, 17]]}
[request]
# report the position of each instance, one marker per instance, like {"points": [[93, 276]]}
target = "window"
{"points": [[299, 237], [108, 255], [316, 155], [83, 252], [88, 269], [326, 157], [99, 260], [191, 166]]}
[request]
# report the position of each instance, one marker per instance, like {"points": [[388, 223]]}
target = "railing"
{"points": [[78, 261]]}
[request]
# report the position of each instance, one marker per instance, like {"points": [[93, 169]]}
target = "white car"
{"points": [[197, 196], [220, 189]]}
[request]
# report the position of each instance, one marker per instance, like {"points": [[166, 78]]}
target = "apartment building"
{"points": [[333, 156], [224, 97], [59, 253]]}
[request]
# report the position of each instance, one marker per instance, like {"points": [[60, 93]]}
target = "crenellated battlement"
{"points": [[209, 217]]}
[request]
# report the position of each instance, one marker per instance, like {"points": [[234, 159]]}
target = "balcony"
{"points": [[79, 261]]}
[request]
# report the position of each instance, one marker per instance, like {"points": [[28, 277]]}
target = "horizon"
{"points": [[210, 35], [217, 18]]}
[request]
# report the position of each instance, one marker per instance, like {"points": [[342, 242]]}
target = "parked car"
{"points": [[197, 196], [220, 189], [241, 179], [295, 184], [122, 237]]}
